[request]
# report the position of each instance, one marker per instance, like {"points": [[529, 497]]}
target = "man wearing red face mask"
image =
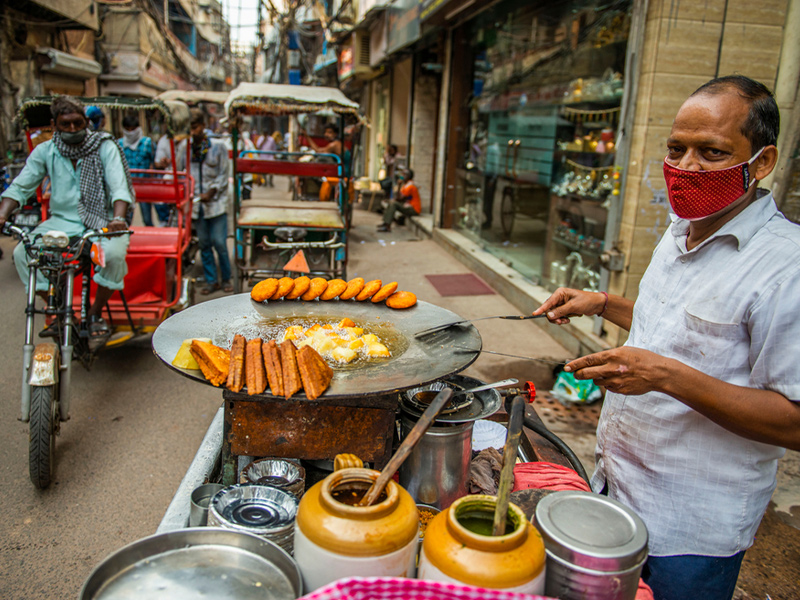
{"points": [[703, 397]]}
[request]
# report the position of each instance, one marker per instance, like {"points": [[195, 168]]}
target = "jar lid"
{"points": [[591, 531]]}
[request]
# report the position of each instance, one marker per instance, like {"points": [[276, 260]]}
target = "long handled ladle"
{"points": [[515, 420], [419, 429]]}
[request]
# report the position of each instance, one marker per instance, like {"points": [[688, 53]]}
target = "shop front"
{"points": [[534, 126]]}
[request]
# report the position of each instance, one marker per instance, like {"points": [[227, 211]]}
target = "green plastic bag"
{"points": [[569, 389]]}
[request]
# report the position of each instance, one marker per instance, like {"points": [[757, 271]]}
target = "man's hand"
{"points": [[565, 303], [7, 206], [208, 196], [625, 370], [116, 226]]}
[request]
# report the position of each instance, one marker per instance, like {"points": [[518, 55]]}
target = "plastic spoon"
{"points": [[399, 457]]}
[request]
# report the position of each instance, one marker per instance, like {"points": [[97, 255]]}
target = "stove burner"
{"points": [[462, 408], [422, 399]]}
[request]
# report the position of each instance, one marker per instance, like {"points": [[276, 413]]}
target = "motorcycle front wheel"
{"points": [[43, 425]]}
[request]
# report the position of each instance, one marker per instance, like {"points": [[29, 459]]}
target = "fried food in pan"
{"points": [[254, 372], [291, 375], [315, 373], [370, 288], [354, 287], [264, 290], [214, 361], [317, 286], [335, 287], [272, 363], [236, 371], [386, 291], [285, 285], [301, 285], [400, 300]]}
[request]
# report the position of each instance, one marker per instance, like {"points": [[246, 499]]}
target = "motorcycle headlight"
{"points": [[55, 239]]}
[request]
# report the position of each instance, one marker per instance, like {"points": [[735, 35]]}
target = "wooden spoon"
{"points": [[509, 459], [419, 429]]}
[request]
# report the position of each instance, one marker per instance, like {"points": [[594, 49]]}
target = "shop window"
{"points": [[536, 165]]}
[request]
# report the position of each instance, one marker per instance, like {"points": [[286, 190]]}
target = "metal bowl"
{"points": [[278, 473], [261, 510], [184, 564]]}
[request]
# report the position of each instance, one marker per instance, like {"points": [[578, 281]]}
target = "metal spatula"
{"points": [[431, 330]]}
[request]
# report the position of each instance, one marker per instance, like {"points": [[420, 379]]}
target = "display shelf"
{"points": [[576, 247]]}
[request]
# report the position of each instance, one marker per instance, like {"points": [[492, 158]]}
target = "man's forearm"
{"points": [[121, 208], [760, 415], [7, 206], [619, 311]]}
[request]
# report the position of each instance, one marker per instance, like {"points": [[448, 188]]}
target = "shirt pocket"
{"points": [[711, 335]]}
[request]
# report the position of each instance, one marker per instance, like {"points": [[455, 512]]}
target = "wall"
{"points": [[423, 136], [685, 44], [401, 94]]}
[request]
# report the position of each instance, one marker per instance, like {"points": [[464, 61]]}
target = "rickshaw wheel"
{"points": [[43, 424], [507, 212]]}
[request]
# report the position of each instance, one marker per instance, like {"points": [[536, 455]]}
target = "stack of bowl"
{"points": [[278, 473], [258, 509]]}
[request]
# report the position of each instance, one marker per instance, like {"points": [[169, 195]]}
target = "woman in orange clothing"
{"points": [[407, 203]]}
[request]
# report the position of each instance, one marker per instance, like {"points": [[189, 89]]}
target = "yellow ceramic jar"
{"points": [[454, 553], [334, 540]]}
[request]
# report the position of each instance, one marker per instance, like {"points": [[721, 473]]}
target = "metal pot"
{"points": [[595, 546], [437, 470]]}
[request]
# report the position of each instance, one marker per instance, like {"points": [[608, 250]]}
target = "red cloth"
{"points": [[547, 476], [644, 592], [396, 588], [410, 189]]}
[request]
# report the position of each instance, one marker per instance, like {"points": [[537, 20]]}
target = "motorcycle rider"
{"points": [[91, 189]]}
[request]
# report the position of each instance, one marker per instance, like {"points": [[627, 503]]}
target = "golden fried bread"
{"points": [[264, 290], [285, 285], [386, 291], [400, 300], [272, 362], [370, 288], [301, 285], [318, 285], [255, 374], [236, 371], [354, 287], [335, 287], [315, 373], [214, 361], [291, 375]]}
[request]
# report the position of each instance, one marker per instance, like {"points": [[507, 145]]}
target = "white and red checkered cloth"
{"points": [[397, 588]]}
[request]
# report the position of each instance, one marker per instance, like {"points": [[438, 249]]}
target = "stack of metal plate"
{"points": [[261, 510]]}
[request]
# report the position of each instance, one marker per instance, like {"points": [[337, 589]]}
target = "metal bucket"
{"points": [[595, 546], [437, 470]]}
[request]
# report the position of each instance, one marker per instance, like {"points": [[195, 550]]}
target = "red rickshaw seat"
{"points": [[163, 191], [155, 240]]}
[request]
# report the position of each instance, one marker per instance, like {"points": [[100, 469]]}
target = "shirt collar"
{"points": [[742, 227]]}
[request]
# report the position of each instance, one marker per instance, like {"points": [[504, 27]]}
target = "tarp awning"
{"points": [[275, 98], [194, 96]]}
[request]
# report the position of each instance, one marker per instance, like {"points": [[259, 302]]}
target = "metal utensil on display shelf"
{"points": [[431, 330], [425, 421]]}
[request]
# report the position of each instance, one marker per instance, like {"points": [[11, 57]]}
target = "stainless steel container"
{"points": [[595, 546], [437, 470]]}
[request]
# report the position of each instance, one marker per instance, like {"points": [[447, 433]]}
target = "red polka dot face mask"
{"points": [[696, 195]]}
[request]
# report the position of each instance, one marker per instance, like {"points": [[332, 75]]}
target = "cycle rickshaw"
{"points": [[275, 224], [155, 285]]}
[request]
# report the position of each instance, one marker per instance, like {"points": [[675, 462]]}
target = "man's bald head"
{"points": [[762, 125]]}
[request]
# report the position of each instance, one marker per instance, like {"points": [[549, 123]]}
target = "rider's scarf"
{"points": [[200, 150], [131, 139], [94, 201]]}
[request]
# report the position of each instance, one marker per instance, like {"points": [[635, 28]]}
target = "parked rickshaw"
{"points": [[155, 285], [275, 224]]}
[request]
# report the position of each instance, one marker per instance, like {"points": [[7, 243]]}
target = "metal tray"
{"points": [[414, 361], [193, 563]]}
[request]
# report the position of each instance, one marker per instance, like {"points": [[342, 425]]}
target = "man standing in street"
{"points": [[138, 149], [91, 189], [210, 207], [703, 397]]}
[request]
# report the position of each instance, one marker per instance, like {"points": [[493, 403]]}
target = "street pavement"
{"points": [[136, 425]]}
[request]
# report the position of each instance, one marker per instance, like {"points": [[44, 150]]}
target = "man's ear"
{"points": [[765, 163]]}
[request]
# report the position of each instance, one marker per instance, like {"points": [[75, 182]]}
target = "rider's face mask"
{"points": [[73, 137], [696, 195]]}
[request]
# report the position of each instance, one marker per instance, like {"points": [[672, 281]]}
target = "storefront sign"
{"points": [[402, 18], [428, 8]]}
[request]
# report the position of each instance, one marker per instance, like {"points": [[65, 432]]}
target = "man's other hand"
{"points": [[625, 370], [116, 226]]}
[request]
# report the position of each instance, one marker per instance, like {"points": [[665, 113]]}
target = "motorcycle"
{"points": [[47, 366]]}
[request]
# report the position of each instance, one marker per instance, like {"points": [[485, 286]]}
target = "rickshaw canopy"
{"points": [[193, 96], [281, 99], [35, 112]]}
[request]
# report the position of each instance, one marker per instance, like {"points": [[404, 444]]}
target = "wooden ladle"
{"points": [[419, 429]]}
